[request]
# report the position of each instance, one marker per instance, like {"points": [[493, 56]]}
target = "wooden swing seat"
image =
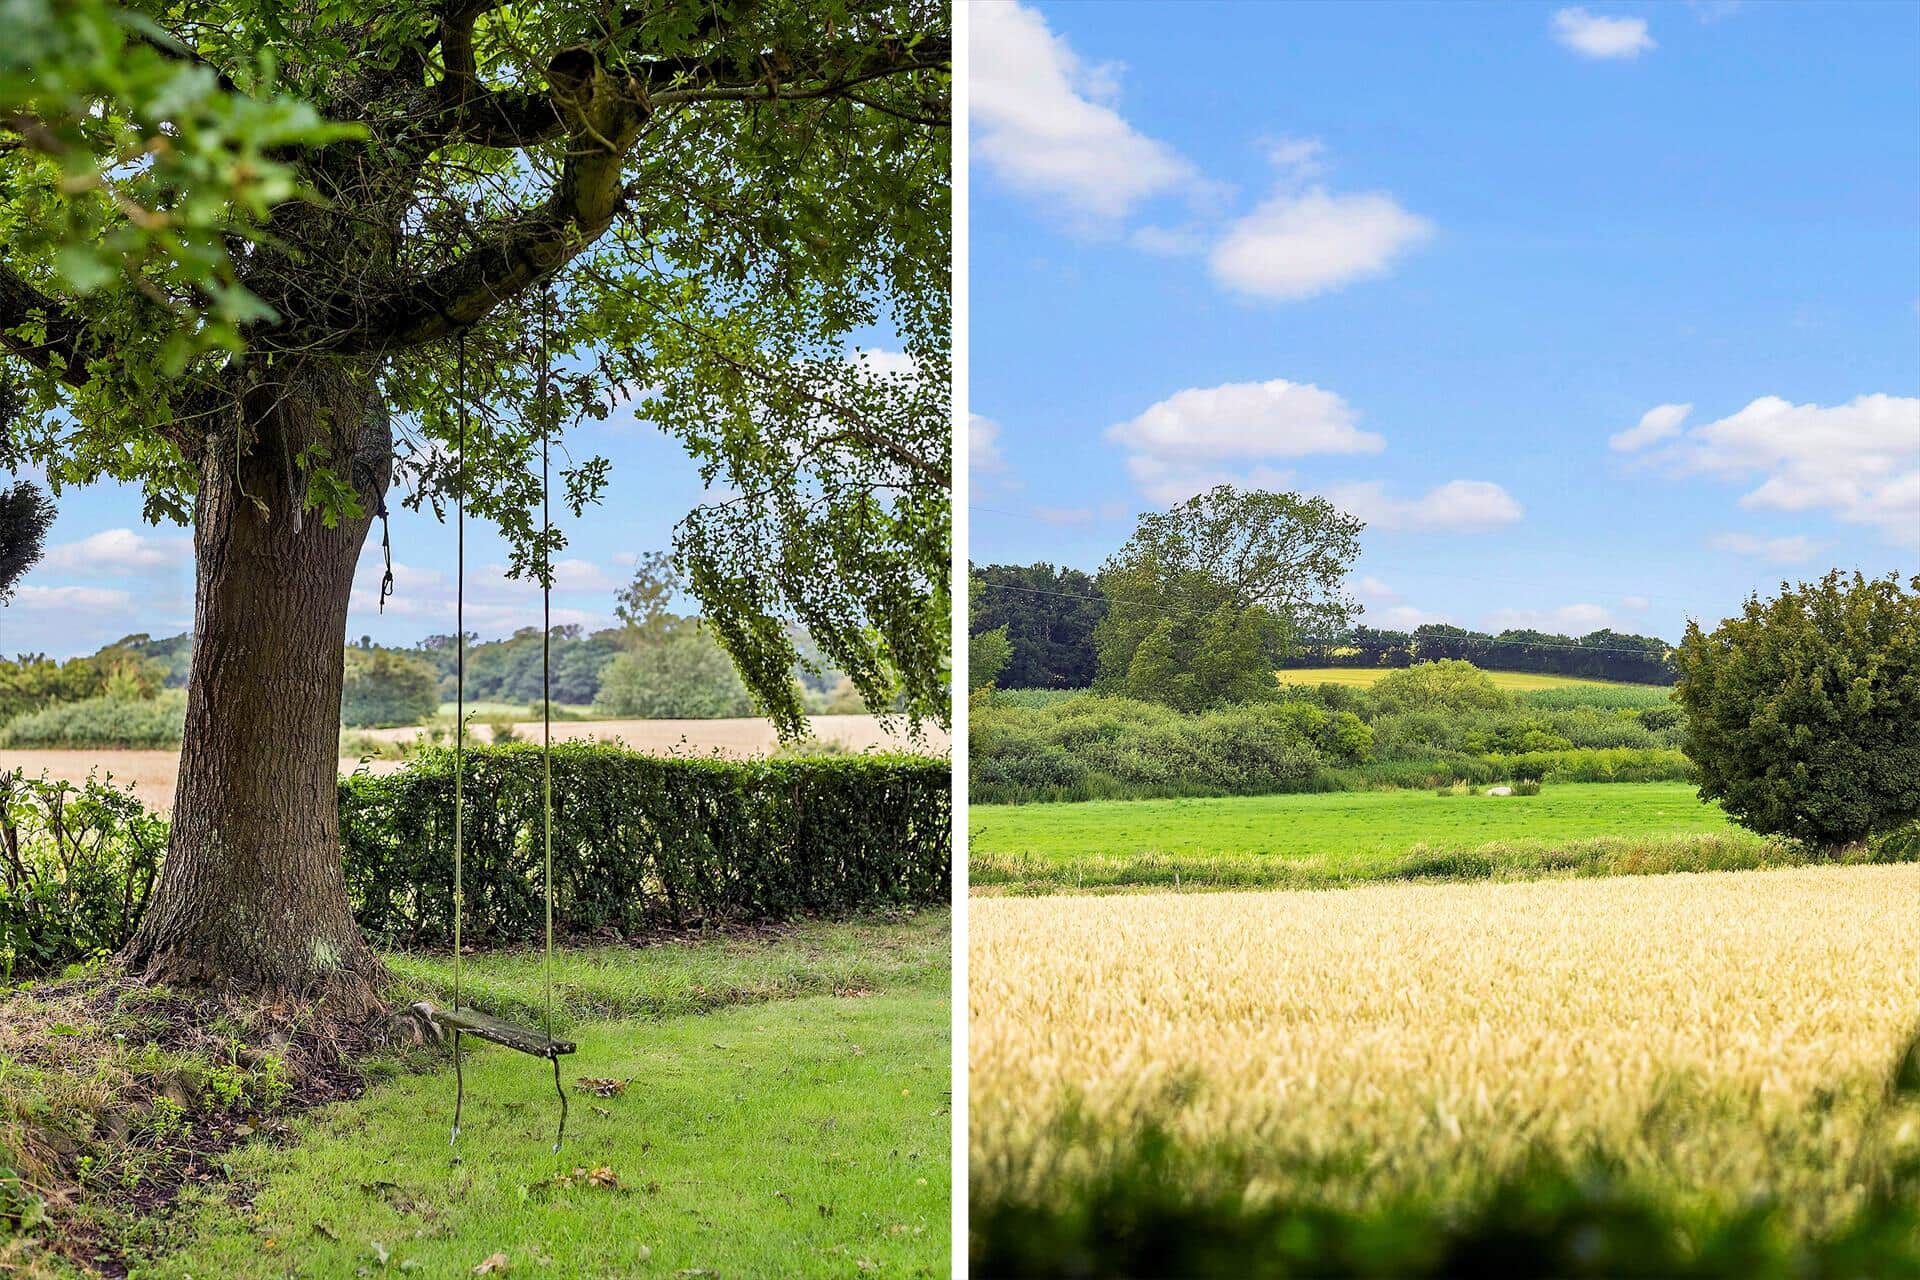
{"points": [[473, 1023]]}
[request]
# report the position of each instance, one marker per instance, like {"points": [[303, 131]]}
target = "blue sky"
{"points": [[1599, 316]]}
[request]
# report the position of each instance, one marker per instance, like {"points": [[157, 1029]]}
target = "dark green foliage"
{"points": [[509, 670], [1598, 655], [1204, 600], [122, 670], [642, 842], [1803, 713], [1153, 1214], [1049, 615], [26, 513], [385, 688], [76, 866]]}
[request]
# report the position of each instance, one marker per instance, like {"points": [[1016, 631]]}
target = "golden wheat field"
{"points": [[1722, 1034]]}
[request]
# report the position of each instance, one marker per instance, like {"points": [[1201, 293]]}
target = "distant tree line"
{"points": [[1599, 655], [1050, 614]]}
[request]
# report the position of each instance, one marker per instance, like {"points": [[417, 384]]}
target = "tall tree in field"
{"points": [[249, 245], [1803, 713], [1203, 600]]}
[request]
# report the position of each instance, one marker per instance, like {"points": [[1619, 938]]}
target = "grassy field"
{"points": [[773, 1103], [1712, 1037], [1513, 681], [1305, 841]]}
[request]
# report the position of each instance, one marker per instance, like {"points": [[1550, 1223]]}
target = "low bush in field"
{"points": [[76, 866], [1095, 747], [641, 841], [104, 722], [1429, 725]]}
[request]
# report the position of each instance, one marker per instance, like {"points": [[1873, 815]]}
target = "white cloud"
{"points": [[1298, 244], [1594, 36], [1656, 424], [983, 446], [1859, 462], [1568, 619], [118, 551], [1635, 603], [1177, 446], [1045, 123], [1273, 419], [1299, 158], [1458, 506], [1794, 549], [35, 598], [1370, 590]]}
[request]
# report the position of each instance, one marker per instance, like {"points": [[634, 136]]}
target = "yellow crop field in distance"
{"points": [[1720, 1034]]}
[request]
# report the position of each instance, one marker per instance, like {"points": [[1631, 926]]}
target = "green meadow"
{"points": [[1324, 839]]}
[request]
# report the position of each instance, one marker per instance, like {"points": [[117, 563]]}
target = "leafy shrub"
{"points": [[384, 688], [680, 673], [642, 841], [1449, 685], [76, 866], [1803, 713], [1526, 786], [108, 723]]}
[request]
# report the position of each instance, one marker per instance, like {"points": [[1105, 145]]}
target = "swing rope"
{"points": [[479, 1024]]}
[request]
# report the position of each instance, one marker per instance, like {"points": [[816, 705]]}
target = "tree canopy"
{"points": [[714, 212], [1803, 713], [1205, 599]]}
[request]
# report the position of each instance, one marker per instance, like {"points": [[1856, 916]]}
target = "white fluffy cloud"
{"points": [[1183, 444], [120, 551], [1859, 462], [1658, 423], [1458, 506], [983, 446], [35, 598], [1593, 36], [1045, 123], [1298, 244], [1794, 549]]}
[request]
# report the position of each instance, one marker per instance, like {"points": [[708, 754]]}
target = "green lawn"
{"points": [[1308, 841], [1519, 681], [787, 1113]]}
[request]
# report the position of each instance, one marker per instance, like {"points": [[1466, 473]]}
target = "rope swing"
{"points": [[539, 1044]]}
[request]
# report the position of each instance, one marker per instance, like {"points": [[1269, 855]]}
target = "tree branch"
{"points": [[600, 116], [61, 352]]}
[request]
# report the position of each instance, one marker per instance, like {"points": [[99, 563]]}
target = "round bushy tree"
{"points": [[382, 688], [1803, 713]]}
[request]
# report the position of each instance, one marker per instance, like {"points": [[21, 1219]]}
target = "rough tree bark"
{"points": [[252, 896]]}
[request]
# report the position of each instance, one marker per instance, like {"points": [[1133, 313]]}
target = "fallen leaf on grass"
{"points": [[492, 1264], [603, 1088]]}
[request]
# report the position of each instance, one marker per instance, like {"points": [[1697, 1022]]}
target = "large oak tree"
{"points": [[250, 245]]}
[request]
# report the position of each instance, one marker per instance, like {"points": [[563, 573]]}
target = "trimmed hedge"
{"points": [[641, 841]]}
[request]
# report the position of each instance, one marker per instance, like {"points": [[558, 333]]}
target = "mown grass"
{"points": [[806, 1138], [1515, 681], [1319, 840], [777, 1105]]}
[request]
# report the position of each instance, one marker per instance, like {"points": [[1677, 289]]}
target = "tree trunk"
{"points": [[252, 897]]}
